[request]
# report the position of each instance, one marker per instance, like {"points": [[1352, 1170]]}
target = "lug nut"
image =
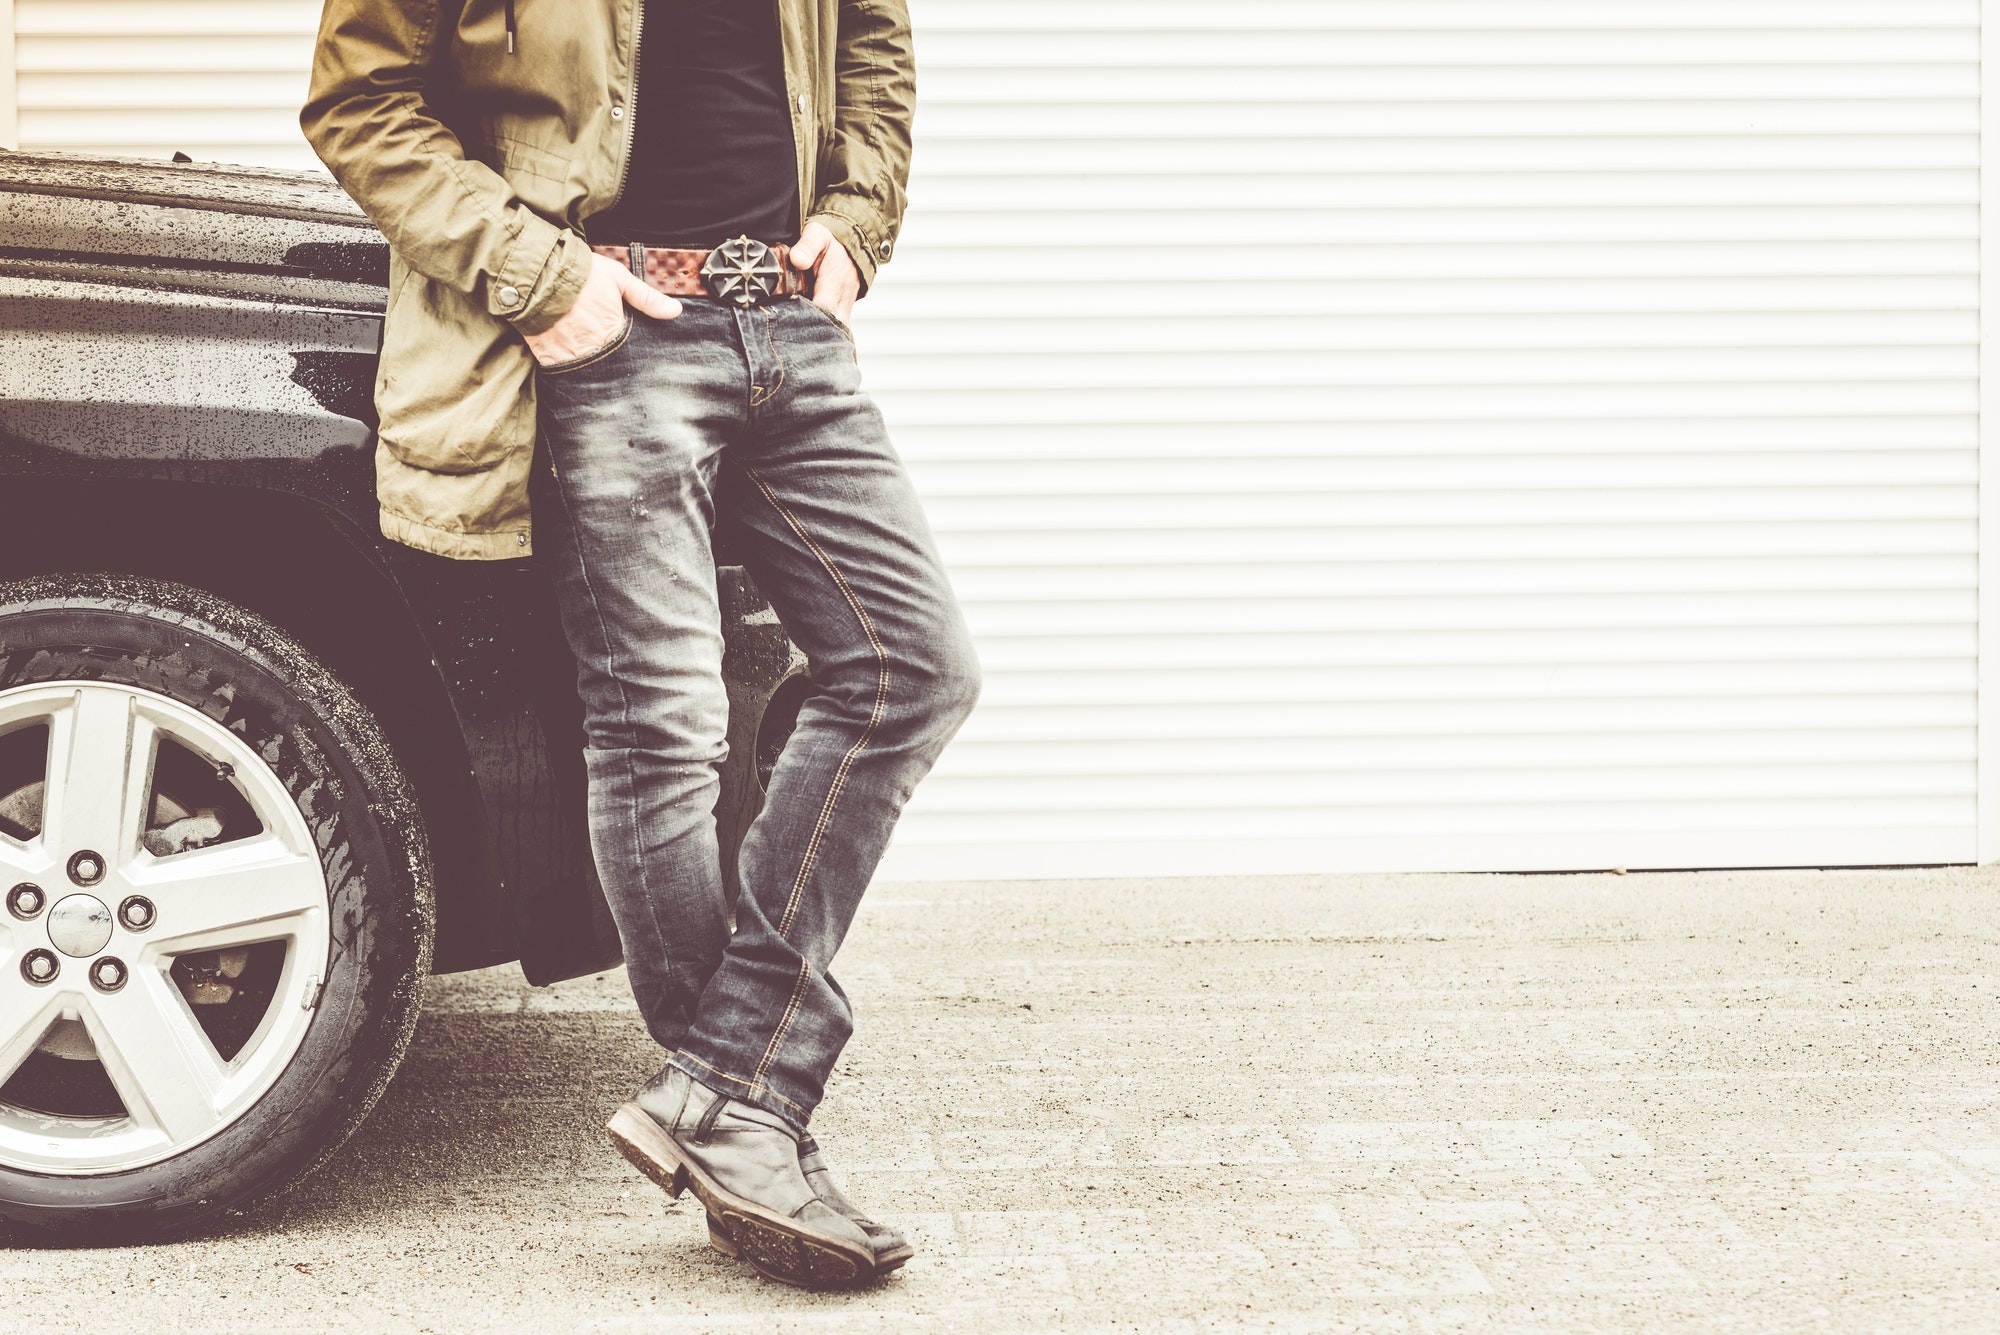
{"points": [[40, 966], [86, 868], [108, 974], [137, 913], [26, 900]]}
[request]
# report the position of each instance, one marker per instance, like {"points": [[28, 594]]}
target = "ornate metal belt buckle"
{"points": [[743, 270]]}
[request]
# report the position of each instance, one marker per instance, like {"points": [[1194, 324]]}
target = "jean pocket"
{"points": [[592, 357], [828, 316]]}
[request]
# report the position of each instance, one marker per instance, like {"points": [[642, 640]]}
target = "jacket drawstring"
{"points": [[510, 27]]}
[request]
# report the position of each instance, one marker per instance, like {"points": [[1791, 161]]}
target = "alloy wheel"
{"points": [[132, 919]]}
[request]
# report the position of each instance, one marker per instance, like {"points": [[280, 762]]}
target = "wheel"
{"points": [[215, 908]]}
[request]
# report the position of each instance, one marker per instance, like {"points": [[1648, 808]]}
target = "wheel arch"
{"points": [[312, 577]]}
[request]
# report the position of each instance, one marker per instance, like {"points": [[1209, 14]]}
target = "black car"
{"points": [[261, 770]]}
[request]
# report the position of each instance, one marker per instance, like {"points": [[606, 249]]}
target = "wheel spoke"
{"points": [[26, 1012], [230, 894], [100, 765], [166, 1072], [18, 862]]}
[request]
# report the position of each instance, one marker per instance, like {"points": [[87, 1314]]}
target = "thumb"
{"points": [[645, 300], [812, 243]]}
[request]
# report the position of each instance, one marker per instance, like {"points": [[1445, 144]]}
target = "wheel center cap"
{"points": [[79, 925]]}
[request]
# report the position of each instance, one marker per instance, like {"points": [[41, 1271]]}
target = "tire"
{"points": [[337, 819], [766, 678]]}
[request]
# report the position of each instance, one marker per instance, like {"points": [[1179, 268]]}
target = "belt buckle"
{"points": [[743, 270]]}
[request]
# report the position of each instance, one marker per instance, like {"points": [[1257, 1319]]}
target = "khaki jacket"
{"points": [[479, 135]]}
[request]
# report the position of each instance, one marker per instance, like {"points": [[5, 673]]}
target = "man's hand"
{"points": [[836, 282], [599, 313]]}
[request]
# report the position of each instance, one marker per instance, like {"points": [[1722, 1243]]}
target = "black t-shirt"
{"points": [[712, 154]]}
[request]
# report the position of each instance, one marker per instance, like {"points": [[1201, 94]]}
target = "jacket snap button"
{"points": [[510, 296], [884, 248], [618, 113]]}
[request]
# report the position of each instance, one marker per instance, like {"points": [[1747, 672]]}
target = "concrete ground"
{"points": [[1745, 1102]]}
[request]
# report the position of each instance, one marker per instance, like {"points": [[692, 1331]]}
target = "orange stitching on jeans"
{"points": [[874, 718], [719, 1074], [830, 318], [757, 1086], [840, 776], [759, 396]]}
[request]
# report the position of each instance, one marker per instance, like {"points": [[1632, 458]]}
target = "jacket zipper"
{"points": [[510, 27], [631, 104], [799, 120]]}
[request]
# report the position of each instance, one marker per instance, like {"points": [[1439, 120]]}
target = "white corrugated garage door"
{"points": [[1416, 433], [1390, 433], [219, 79]]}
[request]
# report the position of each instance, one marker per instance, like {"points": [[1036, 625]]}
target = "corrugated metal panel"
{"points": [[1388, 433], [9, 138], [1447, 433], [221, 80]]}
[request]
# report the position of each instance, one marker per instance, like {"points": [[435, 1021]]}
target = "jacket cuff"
{"points": [[868, 243], [458, 544], [541, 277]]}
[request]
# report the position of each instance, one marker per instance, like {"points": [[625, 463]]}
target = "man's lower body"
{"points": [[754, 415]]}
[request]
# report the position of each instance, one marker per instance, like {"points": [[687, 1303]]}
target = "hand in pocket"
{"points": [[598, 316]]}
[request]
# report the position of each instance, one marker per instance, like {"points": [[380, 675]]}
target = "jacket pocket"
{"points": [[449, 386]]}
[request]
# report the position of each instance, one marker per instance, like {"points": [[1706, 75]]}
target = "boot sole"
{"points": [[884, 1261], [888, 1261], [777, 1246]]}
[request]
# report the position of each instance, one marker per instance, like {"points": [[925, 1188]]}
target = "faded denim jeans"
{"points": [[759, 411]]}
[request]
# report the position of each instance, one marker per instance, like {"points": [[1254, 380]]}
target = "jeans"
{"points": [[757, 413]]}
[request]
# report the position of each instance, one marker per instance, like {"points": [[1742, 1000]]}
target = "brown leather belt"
{"points": [[744, 271]]}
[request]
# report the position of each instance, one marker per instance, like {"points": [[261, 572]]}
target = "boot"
{"points": [[742, 1164], [891, 1248]]}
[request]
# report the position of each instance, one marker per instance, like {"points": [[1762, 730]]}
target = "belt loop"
{"points": [[637, 262]]}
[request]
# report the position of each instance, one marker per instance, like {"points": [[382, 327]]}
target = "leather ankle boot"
{"points": [[742, 1163], [892, 1249]]}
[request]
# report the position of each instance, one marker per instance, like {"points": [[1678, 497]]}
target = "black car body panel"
{"points": [[187, 361]]}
